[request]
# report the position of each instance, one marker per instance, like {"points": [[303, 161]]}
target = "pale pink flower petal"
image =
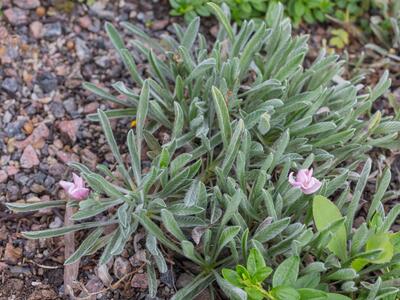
{"points": [[302, 176], [312, 188], [293, 181], [78, 180], [76, 190], [66, 185], [305, 181], [80, 193]]}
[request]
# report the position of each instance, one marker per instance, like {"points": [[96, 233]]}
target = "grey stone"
{"points": [[52, 30], [82, 50], [70, 106], [10, 85], [47, 81], [57, 109]]}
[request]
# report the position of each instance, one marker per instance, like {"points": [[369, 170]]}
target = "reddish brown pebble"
{"points": [[70, 45], [40, 11]]}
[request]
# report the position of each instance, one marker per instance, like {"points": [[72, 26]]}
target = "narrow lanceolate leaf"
{"points": [[179, 120], [200, 69], [233, 148], [134, 154], [192, 194], [142, 114], [222, 115], [325, 213], [232, 208], [152, 280], [171, 225], [102, 93], [270, 231], [105, 124], [47, 233], [381, 87], [25, 207], [114, 36], [153, 229], [85, 246], [130, 64], [227, 235], [353, 207], [191, 33], [222, 19], [379, 193]]}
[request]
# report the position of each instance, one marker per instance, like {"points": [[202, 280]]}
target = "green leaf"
{"points": [[141, 115], [171, 225], [332, 296], [325, 213], [380, 241], [191, 33], [85, 246], [114, 36], [230, 289], [255, 261], [226, 236], [361, 183], [129, 62], [102, 93], [179, 121], [152, 280], [270, 231], [192, 194], [343, 274], [287, 272], [25, 207], [222, 115], [232, 277], [47, 233], [217, 11], [153, 229], [285, 293], [233, 148], [379, 193], [311, 294]]}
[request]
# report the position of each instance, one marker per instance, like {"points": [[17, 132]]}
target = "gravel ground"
{"points": [[47, 49]]}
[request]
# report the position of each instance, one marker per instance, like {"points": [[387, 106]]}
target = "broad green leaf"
{"points": [[285, 293], [325, 213], [287, 272], [255, 261], [231, 290], [380, 241]]}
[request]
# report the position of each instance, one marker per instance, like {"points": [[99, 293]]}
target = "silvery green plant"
{"points": [[241, 116]]}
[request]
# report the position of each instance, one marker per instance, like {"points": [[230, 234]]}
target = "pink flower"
{"points": [[76, 190], [305, 181]]}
